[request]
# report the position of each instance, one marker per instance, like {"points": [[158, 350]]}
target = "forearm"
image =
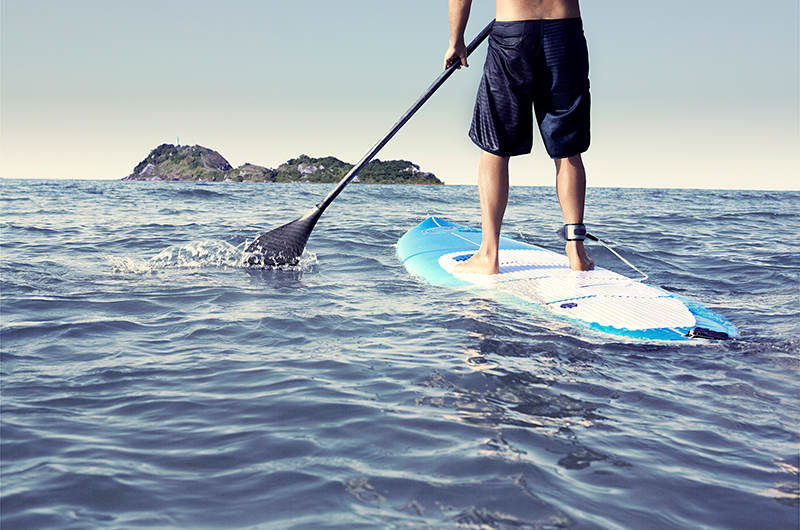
{"points": [[459, 14]]}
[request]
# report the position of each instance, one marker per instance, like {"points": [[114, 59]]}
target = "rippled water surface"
{"points": [[150, 381]]}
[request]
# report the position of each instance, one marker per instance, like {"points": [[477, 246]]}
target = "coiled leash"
{"points": [[577, 232]]}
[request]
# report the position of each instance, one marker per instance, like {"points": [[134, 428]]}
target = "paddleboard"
{"points": [[599, 299]]}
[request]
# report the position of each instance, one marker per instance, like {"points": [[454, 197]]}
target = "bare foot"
{"points": [[579, 260], [478, 264]]}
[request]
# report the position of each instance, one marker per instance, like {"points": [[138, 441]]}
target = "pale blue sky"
{"points": [[689, 94]]}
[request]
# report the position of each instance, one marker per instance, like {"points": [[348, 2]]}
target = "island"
{"points": [[169, 162]]}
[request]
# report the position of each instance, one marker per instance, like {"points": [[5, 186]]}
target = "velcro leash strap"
{"points": [[574, 232]]}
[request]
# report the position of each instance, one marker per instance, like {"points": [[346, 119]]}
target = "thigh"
{"points": [[562, 98], [502, 122]]}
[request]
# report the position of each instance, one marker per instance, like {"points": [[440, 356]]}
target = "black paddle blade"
{"points": [[284, 245]]}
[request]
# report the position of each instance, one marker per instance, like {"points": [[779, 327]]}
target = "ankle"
{"points": [[575, 246]]}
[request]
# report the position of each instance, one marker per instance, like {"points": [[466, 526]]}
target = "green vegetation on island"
{"points": [[197, 163]]}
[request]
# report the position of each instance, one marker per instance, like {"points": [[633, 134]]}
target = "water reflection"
{"points": [[510, 385]]}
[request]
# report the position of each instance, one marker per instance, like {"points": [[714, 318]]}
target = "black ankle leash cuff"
{"points": [[577, 232], [574, 232]]}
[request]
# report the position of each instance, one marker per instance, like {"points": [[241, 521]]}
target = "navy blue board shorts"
{"points": [[543, 64]]}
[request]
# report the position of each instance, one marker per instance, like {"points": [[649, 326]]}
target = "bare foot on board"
{"points": [[478, 264], [579, 260]]}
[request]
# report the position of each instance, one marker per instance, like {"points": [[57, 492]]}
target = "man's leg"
{"points": [[571, 190], [493, 191]]}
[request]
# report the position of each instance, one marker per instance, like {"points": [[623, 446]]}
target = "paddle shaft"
{"points": [[285, 244], [402, 121]]}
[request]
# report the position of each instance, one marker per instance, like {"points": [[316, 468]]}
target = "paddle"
{"points": [[284, 245]]}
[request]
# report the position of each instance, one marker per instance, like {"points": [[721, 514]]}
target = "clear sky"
{"points": [[685, 93]]}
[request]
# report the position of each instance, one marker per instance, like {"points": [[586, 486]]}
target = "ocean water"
{"points": [[150, 381]]}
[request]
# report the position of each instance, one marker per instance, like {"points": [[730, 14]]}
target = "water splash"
{"points": [[128, 265], [196, 255]]}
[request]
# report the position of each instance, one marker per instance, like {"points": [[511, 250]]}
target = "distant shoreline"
{"points": [[174, 163]]}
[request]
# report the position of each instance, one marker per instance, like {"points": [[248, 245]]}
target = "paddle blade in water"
{"points": [[284, 245]]}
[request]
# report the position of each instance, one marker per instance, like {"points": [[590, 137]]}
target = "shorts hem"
{"points": [[556, 157], [497, 152]]}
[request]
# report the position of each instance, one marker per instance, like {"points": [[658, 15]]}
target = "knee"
{"points": [[571, 167], [489, 158], [494, 165]]}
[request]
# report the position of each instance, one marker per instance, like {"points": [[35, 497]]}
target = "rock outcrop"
{"points": [[181, 163]]}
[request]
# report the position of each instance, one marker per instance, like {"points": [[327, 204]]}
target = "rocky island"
{"points": [[197, 163]]}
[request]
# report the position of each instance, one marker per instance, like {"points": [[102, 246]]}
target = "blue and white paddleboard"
{"points": [[599, 299]]}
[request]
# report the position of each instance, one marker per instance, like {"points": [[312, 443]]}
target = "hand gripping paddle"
{"points": [[284, 245]]}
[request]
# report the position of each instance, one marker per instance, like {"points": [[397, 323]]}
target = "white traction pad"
{"points": [[597, 296]]}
